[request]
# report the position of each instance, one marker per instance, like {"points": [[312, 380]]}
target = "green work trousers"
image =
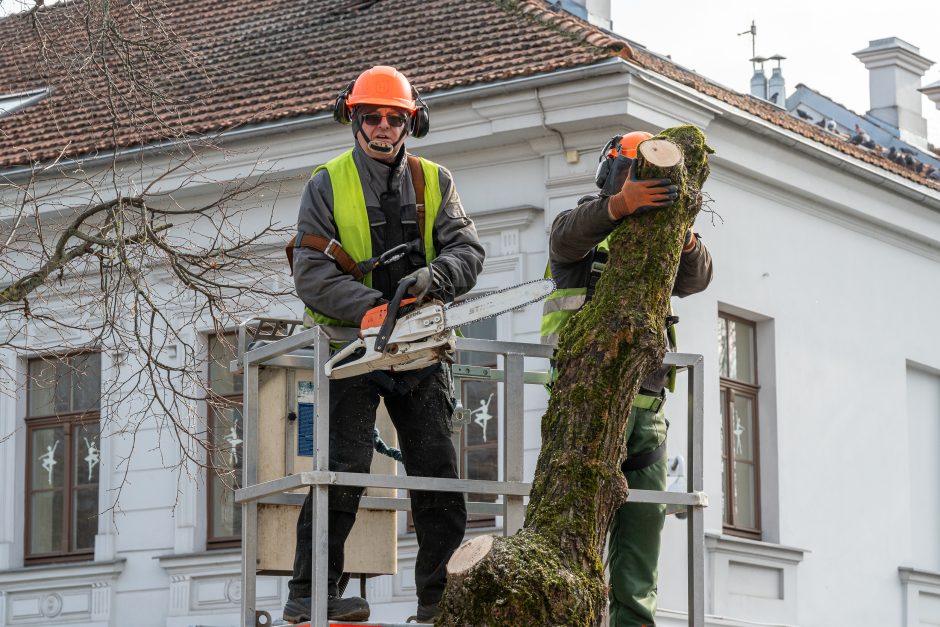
{"points": [[636, 531]]}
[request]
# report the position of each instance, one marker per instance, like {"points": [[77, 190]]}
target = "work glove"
{"points": [[424, 280], [637, 197], [689, 243]]}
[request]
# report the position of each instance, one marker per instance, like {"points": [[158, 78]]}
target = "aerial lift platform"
{"points": [[286, 453]]}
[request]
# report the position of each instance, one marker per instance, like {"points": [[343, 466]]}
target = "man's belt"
{"points": [[638, 462]]}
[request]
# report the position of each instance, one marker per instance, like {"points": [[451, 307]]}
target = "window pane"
{"points": [[479, 454], [63, 387], [222, 350], [741, 352], [41, 388], [48, 462], [86, 381], [482, 464], [85, 521], [227, 458], [226, 517], [484, 330], [744, 496], [45, 515], [743, 428], [479, 398], [87, 454], [725, 458], [722, 347]]}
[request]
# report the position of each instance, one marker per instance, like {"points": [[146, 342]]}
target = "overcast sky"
{"points": [[816, 37]]}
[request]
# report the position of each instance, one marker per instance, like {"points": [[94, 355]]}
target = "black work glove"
{"points": [[637, 197]]}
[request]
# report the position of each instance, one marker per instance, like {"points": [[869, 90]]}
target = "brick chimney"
{"points": [[895, 69], [596, 12]]}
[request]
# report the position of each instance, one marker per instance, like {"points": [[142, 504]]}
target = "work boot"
{"points": [[348, 608], [426, 613], [297, 610]]}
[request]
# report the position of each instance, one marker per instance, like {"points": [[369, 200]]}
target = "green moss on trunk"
{"points": [[550, 573]]}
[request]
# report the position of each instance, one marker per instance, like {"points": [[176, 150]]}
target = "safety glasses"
{"points": [[395, 120]]}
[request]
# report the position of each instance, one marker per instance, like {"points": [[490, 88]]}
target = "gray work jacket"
{"points": [[575, 234], [320, 282]]}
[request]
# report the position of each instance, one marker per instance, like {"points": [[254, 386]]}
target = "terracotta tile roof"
{"points": [[263, 60], [771, 113], [251, 61]]}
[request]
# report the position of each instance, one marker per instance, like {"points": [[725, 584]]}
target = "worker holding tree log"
{"points": [[577, 256], [366, 202]]}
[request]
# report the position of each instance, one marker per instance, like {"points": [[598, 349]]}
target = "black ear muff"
{"points": [[421, 118], [602, 172], [340, 108], [603, 166]]}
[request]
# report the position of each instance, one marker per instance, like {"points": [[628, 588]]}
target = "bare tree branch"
{"points": [[139, 254]]}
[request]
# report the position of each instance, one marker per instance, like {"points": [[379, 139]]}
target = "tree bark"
{"points": [[551, 572]]}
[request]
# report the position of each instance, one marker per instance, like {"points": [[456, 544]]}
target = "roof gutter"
{"points": [[290, 125]]}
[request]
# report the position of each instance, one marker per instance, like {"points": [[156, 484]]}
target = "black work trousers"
{"points": [[421, 417]]}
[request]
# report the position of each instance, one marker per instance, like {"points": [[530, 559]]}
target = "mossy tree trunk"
{"points": [[551, 572]]}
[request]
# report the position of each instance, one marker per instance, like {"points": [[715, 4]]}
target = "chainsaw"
{"points": [[406, 335]]}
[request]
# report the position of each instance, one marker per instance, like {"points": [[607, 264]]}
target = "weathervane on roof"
{"points": [[752, 31], [773, 90]]}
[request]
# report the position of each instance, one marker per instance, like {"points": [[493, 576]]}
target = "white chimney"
{"points": [[759, 79], [895, 69], [776, 86], [932, 91], [596, 12]]}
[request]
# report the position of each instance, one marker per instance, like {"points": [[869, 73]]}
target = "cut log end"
{"points": [[661, 152], [469, 554]]}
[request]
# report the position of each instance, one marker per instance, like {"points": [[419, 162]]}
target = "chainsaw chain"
{"points": [[505, 289]]}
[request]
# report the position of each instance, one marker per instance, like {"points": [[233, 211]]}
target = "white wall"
{"points": [[839, 271]]}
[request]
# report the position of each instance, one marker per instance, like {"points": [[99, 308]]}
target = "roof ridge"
{"points": [[569, 24], [771, 113]]}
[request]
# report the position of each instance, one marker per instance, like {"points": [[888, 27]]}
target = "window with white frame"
{"points": [[224, 414], [62, 457], [737, 342]]}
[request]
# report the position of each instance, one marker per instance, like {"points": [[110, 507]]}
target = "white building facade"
{"points": [[822, 369]]}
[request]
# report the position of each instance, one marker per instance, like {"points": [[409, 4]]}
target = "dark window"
{"points": [[479, 439], [225, 439], [739, 426], [63, 457]]}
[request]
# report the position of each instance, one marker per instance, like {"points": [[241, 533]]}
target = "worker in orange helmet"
{"points": [[578, 248], [396, 215]]}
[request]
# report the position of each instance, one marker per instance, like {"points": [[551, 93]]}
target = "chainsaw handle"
{"points": [[342, 354], [385, 331]]}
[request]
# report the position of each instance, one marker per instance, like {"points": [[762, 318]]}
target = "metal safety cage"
{"points": [[273, 343]]}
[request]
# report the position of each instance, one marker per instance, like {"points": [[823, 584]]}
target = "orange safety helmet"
{"points": [[383, 86], [626, 144]]}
